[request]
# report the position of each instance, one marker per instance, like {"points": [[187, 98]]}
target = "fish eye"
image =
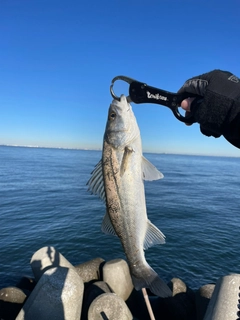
{"points": [[112, 115]]}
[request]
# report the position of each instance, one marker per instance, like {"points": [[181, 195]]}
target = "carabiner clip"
{"points": [[123, 78], [140, 92]]}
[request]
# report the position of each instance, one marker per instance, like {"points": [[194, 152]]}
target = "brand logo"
{"points": [[233, 79], [156, 96]]}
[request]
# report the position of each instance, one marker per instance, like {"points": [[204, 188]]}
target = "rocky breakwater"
{"points": [[93, 290]]}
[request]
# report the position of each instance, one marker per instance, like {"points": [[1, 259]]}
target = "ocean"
{"points": [[44, 202]]}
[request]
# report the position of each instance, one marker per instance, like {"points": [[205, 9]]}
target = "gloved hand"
{"points": [[219, 112]]}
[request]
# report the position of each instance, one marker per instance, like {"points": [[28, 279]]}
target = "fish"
{"points": [[118, 179]]}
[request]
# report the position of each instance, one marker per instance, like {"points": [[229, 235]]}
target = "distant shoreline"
{"points": [[42, 147], [99, 149]]}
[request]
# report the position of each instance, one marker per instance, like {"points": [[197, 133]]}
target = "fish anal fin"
{"points": [[153, 236], [149, 171], [107, 226]]}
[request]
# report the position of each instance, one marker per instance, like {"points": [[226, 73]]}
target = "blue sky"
{"points": [[58, 57]]}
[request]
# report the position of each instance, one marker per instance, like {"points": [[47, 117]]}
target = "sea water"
{"points": [[44, 202]]}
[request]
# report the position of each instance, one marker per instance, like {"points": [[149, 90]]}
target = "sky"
{"points": [[58, 57]]}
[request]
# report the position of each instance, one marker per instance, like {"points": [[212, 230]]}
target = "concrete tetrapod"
{"points": [[47, 258], [11, 302], [117, 275], [57, 296], [90, 270], [224, 304], [109, 306]]}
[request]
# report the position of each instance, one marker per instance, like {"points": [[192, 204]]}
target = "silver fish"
{"points": [[118, 180]]}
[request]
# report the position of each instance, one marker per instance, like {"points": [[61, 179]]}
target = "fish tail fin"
{"points": [[151, 280]]}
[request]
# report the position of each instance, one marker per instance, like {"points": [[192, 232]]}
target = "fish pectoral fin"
{"points": [[107, 226], [95, 183], [153, 236], [149, 171], [125, 159]]}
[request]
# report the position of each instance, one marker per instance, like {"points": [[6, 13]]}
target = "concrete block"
{"points": [[11, 302], [202, 298], [224, 304], [117, 275], [90, 270], [109, 306], [57, 296], [177, 286], [92, 292], [47, 258]]}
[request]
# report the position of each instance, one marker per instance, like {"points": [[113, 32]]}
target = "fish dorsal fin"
{"points": [[107, 226], [149, 171], [153, 236], [95, 183]]}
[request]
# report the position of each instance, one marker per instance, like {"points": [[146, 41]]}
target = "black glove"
{"points": [[219, 112]]}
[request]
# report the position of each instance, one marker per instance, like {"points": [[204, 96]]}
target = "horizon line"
{"points": [[100, 149]]}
